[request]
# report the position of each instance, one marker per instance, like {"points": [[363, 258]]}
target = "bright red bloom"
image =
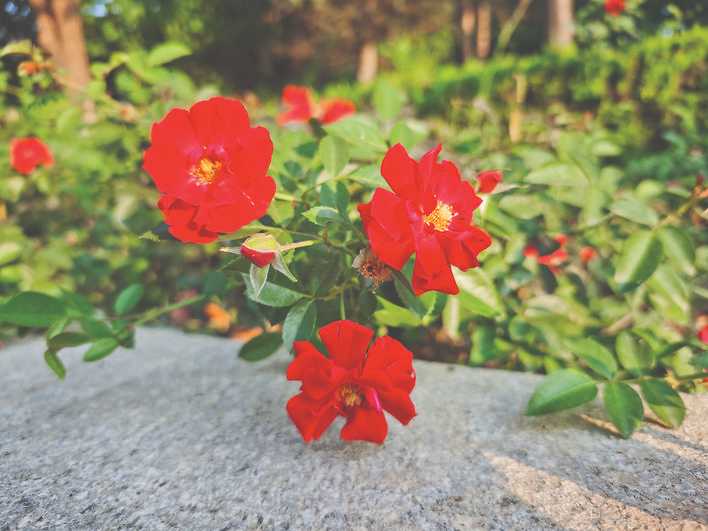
{"points": [[352, 383], [703, 334], [614, 7], [28, 153], [587, 253], [488, 181], [553, 259], [259, 258], [211, 167], [302, 107], [429, 212]]}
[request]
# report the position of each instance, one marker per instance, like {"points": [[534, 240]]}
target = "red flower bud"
{"points": [[703, 334], [301, 107], [28, 153], [488, 181], [614, 7], [587, 253], [259, 258]]}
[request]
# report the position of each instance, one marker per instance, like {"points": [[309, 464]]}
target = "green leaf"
{"points": [[360, 132], [321, 215], [478, 294], [273, 294], [128, 299], [679, 249], [558, 174], [9, 251], [23, 47], [403, 290], [342, 199], [55, 364], [95, 328], [666, 403], [391, 314], [634, 210], [388, 100], [67, 339], [640, 257], [633, 355], [100, 349], [334, 154], [57, 327], [409, 133], [563, 389], [522, 206], [670, 295], [260, 347], [700, 361], [598, 358], [167, 52], [482, 345], [624, 407], [299, 323], [32, 309]]}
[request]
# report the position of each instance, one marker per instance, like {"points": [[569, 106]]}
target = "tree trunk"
{"points": [[368, 63], [60, 32], [468, 16], [560, 23], [484, 29]]}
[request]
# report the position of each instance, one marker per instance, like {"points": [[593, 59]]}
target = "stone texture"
{"points": [[181, 434]]}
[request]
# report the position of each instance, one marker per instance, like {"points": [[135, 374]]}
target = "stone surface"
{"points": [[181, 434]]}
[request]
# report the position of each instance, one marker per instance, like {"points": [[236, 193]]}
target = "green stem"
{"points": [[687, 378], [153, 314]]}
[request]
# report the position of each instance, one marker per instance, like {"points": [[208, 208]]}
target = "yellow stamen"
{"points": [[440, 217], [205, 170], [350, 395]]}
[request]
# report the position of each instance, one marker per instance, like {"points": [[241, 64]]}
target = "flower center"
{"points": [[205, 170], [350, 395], [440, 217]]}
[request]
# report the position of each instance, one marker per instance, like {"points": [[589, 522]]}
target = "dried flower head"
{"points": [[371, 268]]}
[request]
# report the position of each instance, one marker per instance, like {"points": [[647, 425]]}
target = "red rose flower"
{"points": [[488, 181], [302, 107], [703, 334], [429, 212], [587, 253], [352, 383], [28, 153], [211, 167], [614, 7]]}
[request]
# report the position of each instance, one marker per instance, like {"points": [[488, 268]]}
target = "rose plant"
{"points": [[331, 224]]}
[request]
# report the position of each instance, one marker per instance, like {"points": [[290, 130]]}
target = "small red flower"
{"points": [[488, 181], [259, 258], [703, 334], [302, 107], [614, 7], [211, 167], [429, 212], [28, 153], [352, 383], [587, 253], [552, 260]]}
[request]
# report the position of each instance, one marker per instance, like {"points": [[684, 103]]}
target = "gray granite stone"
{"points": [[180, 434]]}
